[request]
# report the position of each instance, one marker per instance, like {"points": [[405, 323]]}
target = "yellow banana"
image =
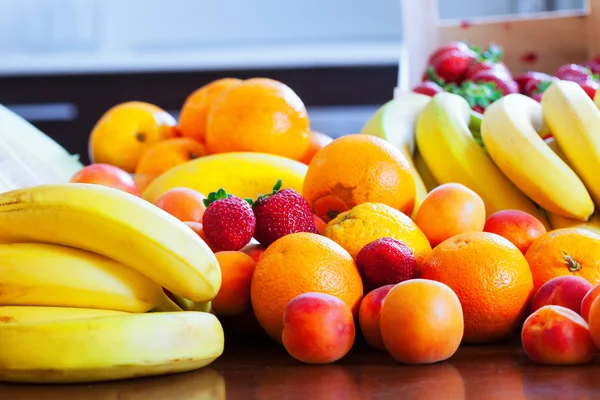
{"points": [[453, 155], [117, 225], [109, 347], [242, 174], [574, 121], [395, 122], [30, 314], [40, 274], [510, 135], [424, 172]]}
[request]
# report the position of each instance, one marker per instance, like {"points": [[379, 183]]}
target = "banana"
{"points": [[395, 122], [243, 174], [453, 155], [29, 314], [510, 135], [109, 347], [424, 172], [117, 225], [40, 274], [574, 121]]}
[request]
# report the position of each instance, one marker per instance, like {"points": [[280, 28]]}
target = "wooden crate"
{"points": [[537, 42]]}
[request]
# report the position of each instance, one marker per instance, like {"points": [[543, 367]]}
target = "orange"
{"points": [[317, 141], [421, 322], [296, 264], [193, 116], [164, 155], [234, 294], [258, 115], [448, 210], [124, 131], [491, 278], [357, 169], [568, 251], [356, 228]]}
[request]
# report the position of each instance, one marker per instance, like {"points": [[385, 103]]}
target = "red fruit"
{"points": [[477, 108], [537, 97], [429, 88], [498, 68], [281, 213], [386, 261], [593, 65], [228, 221], [573, 72], [590, 86], [524, 78], [535, 86], [450, 62], [106, 175], [505, 85]]}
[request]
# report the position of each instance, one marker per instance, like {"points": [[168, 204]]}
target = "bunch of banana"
{"points": [[82, 265]]}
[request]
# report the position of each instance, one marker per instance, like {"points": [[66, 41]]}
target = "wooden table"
{"points": [[263, 370]]}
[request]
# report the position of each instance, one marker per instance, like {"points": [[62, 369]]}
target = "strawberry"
{"points": [[281, 213], [428, 88], [478, 95], [534, 86], [228, 221], [498, 68], [505, 85], [590, 86], [573, 72], [450, 62], [593, 65], [525, 77]]}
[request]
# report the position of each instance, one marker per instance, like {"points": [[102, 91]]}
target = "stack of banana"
{"points": [[81, 294], [503, 156]]}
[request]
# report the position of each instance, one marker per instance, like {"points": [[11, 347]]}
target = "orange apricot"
{"points": [[236, 271], [183, 203], [369, 316], [519, 227]]}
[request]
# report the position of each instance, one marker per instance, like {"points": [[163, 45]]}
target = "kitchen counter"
{"points": [[264, 371]]}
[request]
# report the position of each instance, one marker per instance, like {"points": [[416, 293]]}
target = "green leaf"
{"points": [[214, 196], [277, 186]]}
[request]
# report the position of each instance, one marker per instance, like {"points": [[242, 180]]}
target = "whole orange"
{"points": [[124, 131], [164, 155], [317, 141], [259, 115], [361, 225], [356, 169], [490, 277], [193, 116], [299, 263], [568, 251], [448, 210]]}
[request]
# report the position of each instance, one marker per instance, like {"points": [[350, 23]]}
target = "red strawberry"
{"points": [[504, 84], [524, 78], [590, 86], [593, 66], [281, 213], [386, 261], [429, 88], [537, 97], [451, 61], [534, 87], [573, 72], [228, 221], [499, 68]]}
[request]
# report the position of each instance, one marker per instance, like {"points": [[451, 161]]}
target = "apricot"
{"points": [[233, 297], [448, 210], [369, 316], [519, 227], [183, 203], [594, 321], [567, 291], [317, 141], [254, 250], [106, 175], [556, 335], [588, 299], [197, 227], [318, 328], [421, 322]]}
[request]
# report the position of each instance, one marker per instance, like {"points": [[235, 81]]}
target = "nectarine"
{"points": [[588, 299], [369, 316], [567, 291], [106, 175], [519, 227]]}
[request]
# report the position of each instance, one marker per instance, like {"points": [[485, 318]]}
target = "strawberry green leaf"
{"points": [[277, 186], [432, 76], [214, 196]]}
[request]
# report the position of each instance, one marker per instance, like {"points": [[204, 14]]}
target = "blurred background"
{"points": [[64, 62]]}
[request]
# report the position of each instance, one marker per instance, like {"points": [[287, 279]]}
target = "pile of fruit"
{"points": [[430, 228], [480, 76]]}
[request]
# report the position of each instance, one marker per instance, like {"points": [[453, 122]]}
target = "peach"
{"points": [[197, 227], [106, 175], [369, 316], [567, 291], [421, 322], [448, 210], [318, 328], [594, 321], [519, 227], [320, 224], [254, 250], [556, 335], [588, 299], [183, 203], [233, 297]]}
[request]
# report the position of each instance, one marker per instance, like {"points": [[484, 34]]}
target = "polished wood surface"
{"points": [[262, 370]]}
